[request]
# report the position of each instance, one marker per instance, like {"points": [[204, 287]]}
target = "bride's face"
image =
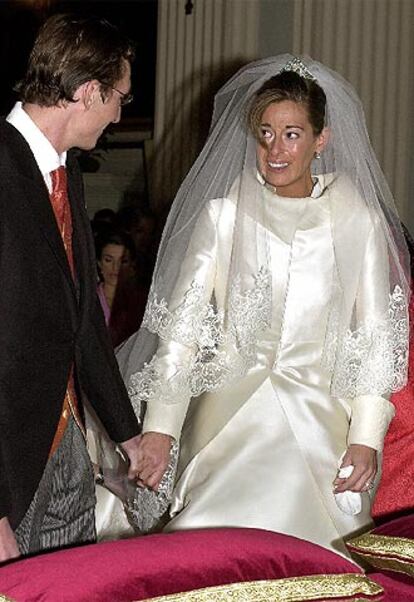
{"points": [[286, 147]]}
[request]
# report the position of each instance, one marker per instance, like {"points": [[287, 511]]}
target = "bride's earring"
{"points": [[317, 155]]}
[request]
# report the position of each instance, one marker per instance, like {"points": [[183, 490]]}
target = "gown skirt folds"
{"points": [[263, 452]]}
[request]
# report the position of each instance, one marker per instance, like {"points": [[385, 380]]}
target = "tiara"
{"points": [[298, 66]]}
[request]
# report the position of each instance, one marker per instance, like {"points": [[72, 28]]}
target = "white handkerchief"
{"points": [[349, 502]]}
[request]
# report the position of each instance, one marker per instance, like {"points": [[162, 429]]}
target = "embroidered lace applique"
{"points": [[193, 322], [369, 360], [373, 359], [218, 354], [250, 313]]}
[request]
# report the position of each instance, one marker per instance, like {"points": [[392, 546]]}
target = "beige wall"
{"points": [[196, 54], [276, 27], [370, 42]]}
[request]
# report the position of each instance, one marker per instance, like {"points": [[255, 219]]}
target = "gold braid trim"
{"points": [[5, 599], [385, 552], [292, 589]]}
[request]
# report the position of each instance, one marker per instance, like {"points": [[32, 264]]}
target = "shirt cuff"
{"points": [[370, 418], [165, 418]]}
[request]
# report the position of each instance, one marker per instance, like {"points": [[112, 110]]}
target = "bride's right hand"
{"points": [[154, 458]]}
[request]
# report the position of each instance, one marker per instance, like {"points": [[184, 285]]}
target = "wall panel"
{"points": [[196, 53], [371, 43]]}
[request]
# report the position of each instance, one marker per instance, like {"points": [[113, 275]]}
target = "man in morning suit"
{"points": [[54, 349]]}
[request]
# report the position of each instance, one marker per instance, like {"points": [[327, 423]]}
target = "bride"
{"points": [[276, 327]]}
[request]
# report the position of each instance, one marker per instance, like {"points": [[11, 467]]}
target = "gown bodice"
{"points": [[303, 272]]}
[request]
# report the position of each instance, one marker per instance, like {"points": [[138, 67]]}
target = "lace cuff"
{"points": [[370, 418], [199, 350], [374, 357], [165, 418]]}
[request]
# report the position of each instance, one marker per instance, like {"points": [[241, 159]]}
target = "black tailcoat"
{"points": [[48, 323]]}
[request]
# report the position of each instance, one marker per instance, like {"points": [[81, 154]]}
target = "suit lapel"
{"points": [[77, 238], [83, 249], [35, 196]]}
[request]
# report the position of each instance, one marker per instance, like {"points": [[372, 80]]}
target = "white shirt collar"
{"points": [[317, 189], [44, 153]]}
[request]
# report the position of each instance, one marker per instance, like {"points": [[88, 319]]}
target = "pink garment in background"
{"points": [[104, 303]]}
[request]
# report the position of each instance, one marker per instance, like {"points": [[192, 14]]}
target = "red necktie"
{"points": [[61, 208]]}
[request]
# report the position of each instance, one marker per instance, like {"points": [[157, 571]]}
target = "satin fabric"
{"points": [[307, 252], [263, 452], [110, 519]]}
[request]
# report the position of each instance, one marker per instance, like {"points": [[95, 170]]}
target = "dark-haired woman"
{"points": [[122, 300], [280, 304]]}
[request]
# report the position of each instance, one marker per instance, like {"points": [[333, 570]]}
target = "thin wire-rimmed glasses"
{"points": [[126, 97]]}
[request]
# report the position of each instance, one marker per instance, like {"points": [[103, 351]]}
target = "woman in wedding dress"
{"points": [[276, 326]]}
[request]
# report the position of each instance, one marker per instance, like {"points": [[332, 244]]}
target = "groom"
{"points": [[54, 349]]}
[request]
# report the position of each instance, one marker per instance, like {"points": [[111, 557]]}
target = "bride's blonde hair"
{"points": [[288, 85]]}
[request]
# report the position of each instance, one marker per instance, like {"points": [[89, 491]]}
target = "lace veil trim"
{"points": [[371, 359], [220, 350]]}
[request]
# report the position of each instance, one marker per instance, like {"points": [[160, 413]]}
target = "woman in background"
{"points": [[122, 301]]}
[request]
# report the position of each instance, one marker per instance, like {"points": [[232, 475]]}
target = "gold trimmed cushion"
{"points": [[167, 563], [389, 546], [385, 552], [313, 588]]}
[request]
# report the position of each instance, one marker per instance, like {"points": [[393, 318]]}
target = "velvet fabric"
{"points": [[397, 588], [389, 546], [161, 564], [399, 527]]}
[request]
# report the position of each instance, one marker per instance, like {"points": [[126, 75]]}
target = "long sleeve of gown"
{"points": [[174, 360], [371, 413]]}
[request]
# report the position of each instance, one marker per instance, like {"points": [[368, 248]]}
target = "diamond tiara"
{"points": [[298, 66]]}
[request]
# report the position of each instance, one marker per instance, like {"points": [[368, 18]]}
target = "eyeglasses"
{"points": [[126, 97]]}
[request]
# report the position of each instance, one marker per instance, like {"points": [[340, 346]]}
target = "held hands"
{"points": [[149, 456], [364, 460], [8, 544]]}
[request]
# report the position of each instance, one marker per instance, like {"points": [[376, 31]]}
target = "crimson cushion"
{"points": [[156, 565], [389, 546], [397, 588]]}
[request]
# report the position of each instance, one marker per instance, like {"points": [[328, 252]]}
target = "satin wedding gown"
{"points": [[264, 452]]}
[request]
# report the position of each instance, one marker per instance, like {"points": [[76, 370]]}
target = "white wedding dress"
{"points": [[272, 463], [263, 450]]}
